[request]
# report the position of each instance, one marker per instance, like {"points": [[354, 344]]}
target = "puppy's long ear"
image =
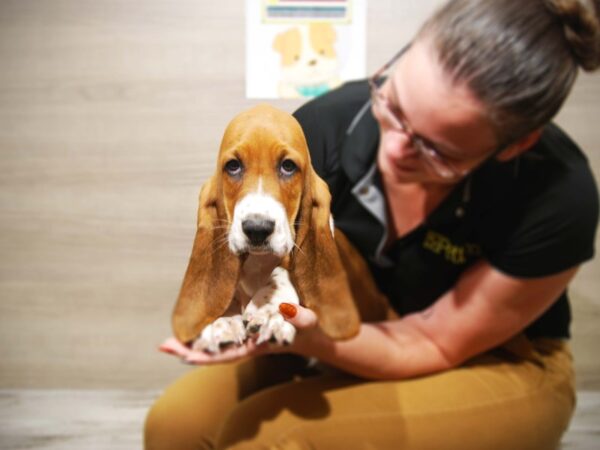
{"points": [[209, 283], [316, 268]]}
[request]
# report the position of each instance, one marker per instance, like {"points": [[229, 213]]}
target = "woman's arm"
{"points": [[483, 310]]}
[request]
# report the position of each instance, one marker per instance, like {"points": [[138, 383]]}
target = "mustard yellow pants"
{"points": [[519, 396]]}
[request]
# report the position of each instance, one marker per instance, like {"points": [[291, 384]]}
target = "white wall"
{"points": [[111, 113]]}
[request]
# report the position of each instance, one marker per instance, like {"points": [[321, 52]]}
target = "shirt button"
{"points": [[460, 212], [364, 190]]}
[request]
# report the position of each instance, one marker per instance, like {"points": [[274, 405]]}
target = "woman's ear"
{"points": [[212, 274], [519, 147], [316, 269]]}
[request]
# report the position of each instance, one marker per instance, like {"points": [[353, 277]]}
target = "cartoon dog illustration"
{"points": [[309, 64]]}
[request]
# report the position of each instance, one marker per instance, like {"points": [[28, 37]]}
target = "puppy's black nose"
{"points": [[258, 230]]}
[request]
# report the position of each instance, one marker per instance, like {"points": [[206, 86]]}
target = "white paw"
{"points": [[222, 332], [267, 323]]}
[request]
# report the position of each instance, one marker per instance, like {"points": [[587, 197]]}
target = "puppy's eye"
{"points": [[233, 167], [288, 167]]}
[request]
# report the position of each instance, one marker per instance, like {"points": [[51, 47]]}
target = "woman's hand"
{"points": [[302, 318]]}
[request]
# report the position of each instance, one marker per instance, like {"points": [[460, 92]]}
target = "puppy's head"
{"points": [[262, 165]]}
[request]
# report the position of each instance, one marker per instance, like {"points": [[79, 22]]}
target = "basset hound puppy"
{"points": [[265, 236]]}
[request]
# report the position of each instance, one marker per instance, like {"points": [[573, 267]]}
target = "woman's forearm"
{"points": [[385, 350]]}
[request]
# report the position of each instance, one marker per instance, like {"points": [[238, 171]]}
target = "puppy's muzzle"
{"points": [[260, 226], [258, 230]]}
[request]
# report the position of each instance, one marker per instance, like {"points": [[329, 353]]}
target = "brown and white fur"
{"points": [[265, 236]]}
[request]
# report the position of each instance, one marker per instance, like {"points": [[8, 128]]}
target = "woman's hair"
{"points": [[519, 57]]}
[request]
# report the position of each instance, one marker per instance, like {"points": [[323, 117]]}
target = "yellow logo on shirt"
{"points": [[442, 245]]}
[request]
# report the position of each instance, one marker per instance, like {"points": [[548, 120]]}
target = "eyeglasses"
{"points": [[385, 111]]}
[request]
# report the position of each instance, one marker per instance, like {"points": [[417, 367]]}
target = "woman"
{"points": [[488, 211]]}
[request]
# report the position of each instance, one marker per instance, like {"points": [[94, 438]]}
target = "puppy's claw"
{"points": [[253, 328], [271, 327], [222, 333]]}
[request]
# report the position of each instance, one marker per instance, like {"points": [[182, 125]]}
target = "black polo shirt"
{"points": [[529, 217]]}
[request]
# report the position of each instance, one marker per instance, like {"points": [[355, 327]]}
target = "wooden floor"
{"points": [[112, 419], [72, 419]]}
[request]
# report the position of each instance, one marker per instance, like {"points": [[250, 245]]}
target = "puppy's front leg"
{"points": [[262, 315], [221, 333]]}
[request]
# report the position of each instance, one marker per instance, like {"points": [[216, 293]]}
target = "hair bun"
{"points": [[582, 29]]}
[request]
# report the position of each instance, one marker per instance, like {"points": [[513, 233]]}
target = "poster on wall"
{"points": [[303, 48]]}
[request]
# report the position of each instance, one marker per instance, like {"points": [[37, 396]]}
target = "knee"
{"points": [[261, 421], [166, 428], [155, 429]]}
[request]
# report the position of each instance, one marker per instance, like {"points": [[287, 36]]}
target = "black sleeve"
{"points": [[546, 222]]}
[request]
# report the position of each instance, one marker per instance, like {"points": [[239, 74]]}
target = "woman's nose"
{"points": [[403, 142]]}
